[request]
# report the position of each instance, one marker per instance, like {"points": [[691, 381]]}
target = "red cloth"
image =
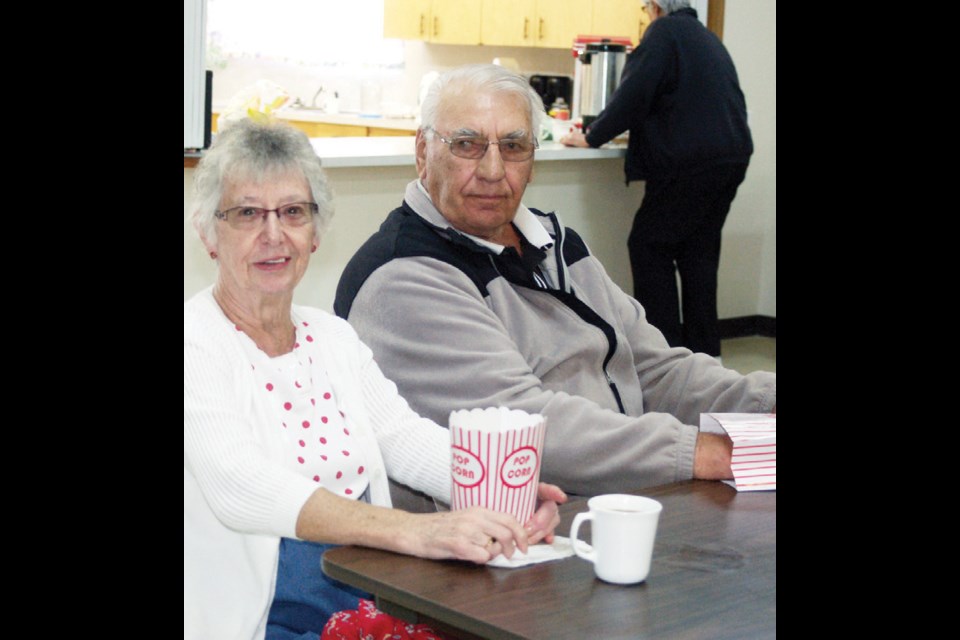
{"points": [[369, 623]]}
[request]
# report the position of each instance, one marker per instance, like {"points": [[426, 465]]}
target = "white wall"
{"points": [[397, 86], [748, 262]]}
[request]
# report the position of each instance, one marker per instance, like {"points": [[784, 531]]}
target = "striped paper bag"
{"points": [[754, 459], [495, 460]]}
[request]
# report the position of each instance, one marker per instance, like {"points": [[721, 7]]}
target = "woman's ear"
{"points": [[210, 246]]}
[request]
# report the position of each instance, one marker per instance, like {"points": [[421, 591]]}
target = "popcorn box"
{"points": [[495, 460]]}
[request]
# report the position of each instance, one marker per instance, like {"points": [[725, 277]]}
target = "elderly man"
{"points": [[470, 299]]}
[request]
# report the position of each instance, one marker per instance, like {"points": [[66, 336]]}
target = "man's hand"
{"points": [[544, 522], [711, 457]]}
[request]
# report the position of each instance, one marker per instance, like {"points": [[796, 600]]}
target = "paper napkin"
{"points": [[561, 548]]}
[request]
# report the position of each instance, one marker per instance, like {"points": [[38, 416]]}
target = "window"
{"points": [[327, 33], [303, 46]]}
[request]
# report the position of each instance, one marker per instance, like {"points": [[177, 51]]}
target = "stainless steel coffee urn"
{"points": [[598, 70]]}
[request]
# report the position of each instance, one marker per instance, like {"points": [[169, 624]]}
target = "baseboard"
{"points": [[748, 326]]}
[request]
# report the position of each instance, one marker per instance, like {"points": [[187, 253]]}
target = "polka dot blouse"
{"points": [[314, 431]]}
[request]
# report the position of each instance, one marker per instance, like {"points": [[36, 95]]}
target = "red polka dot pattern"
{"points": [[293, 380]]}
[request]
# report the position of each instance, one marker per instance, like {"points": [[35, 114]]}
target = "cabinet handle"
{"points": [[541, 29], [436, 27], [526, 25], [421, 24]]}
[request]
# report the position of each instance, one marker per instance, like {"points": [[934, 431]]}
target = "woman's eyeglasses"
{"points": [[295, 214]]}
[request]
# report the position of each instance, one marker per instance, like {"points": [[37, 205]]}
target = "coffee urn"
{"points": [[598, 69]]}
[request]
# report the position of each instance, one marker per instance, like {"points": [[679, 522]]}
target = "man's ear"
{"points": [[421, 154]]}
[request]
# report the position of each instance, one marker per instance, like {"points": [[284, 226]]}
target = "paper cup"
{"points": [[495, 460]]}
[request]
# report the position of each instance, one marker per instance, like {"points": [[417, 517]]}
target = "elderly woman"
{"points": [[290, 429]]}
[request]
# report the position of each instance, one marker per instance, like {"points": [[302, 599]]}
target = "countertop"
{"points": [[391, 152], [350, 119], [399, 151]]}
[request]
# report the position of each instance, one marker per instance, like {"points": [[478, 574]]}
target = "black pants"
{"points": [[677, 228]]}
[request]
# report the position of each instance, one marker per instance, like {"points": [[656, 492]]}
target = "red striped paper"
{"points": [[495, 460], [754, 459]]}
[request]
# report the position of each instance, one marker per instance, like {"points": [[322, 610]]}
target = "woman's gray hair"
{"points": [[256, 151], [669, 6], [480, 78]]}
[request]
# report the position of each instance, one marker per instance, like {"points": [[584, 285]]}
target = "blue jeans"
{"points": [[305, 597]]}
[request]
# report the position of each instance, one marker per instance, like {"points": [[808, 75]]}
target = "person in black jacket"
{"points": [[680, 98]]}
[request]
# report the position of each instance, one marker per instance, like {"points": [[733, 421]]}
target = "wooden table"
{"points": [[714, 575]]}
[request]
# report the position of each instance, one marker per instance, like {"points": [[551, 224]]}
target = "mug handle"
{"points": [[579, 519]]}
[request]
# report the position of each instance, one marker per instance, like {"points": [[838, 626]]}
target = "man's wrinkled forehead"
{"points": [[456, 101]]}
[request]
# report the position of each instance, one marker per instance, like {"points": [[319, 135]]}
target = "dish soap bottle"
{"points": [[559, 110]]}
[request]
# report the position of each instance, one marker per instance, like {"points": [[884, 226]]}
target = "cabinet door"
{"points": [[621, 18], [455, 21], [509, 22], [559, 22], [406, 19]]}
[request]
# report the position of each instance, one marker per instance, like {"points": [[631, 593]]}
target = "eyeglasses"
{"points": [[295, 214], [511, 149]]}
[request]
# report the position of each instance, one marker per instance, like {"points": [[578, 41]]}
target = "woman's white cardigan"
{"points": [[238, 499]]}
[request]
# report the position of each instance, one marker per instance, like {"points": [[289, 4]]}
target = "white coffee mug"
{"points": [[623, 530]]}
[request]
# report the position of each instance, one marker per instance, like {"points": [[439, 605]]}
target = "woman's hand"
{"points": [[475, 534], [543, 523], [479, 535]]}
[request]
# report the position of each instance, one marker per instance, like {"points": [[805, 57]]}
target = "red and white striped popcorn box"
{"points": [[495, 460], [754, 457]]}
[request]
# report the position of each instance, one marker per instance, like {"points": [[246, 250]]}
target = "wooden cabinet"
{"points": [[455, 21], [534, 23], [560, 22], [621, 18], [406, 19], [510, 23], [441, 21], [337, 130]]}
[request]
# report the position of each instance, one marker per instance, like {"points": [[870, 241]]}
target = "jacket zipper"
{"points": [[613, 388]]}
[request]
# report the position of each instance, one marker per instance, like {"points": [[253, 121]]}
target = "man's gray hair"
{"points": [[480, 78], [246, 150], [669, 6]]}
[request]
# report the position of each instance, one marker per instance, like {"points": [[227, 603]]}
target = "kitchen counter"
{"points": [[348, 119], [398, 152]]}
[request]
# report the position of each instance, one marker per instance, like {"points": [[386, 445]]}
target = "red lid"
{"points": [[581, 41]]}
